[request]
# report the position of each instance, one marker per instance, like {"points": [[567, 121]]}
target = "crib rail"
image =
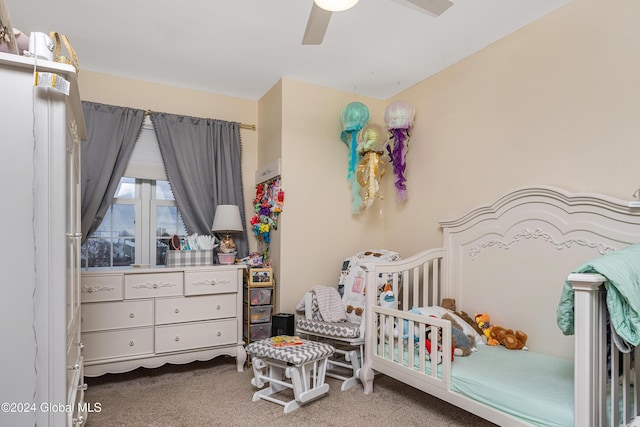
{"points": [[416, 282], [605, 393], [393, 351]]}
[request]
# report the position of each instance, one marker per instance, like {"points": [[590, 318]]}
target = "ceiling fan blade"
{"points": [[317, 25], [434, 7]]}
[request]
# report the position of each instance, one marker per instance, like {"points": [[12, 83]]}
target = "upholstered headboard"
{"points": [[510, 259]]}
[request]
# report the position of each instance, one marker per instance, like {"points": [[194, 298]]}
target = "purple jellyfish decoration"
{"points": [[398, 117]]}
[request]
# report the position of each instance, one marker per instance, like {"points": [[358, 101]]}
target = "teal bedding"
{"points": [[531, 386], [622, 271]]}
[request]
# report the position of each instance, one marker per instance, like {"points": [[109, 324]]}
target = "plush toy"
{"points": [[482, 319], [462, 344], [405, 327], [429, 354], [388, 300], [450, 304], [429, 345], [506, 337]]}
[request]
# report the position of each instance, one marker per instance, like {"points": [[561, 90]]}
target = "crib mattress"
{"points": [[533, 387]]}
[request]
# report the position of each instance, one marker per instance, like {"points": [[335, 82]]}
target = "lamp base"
{"points": [[227, 245], [226, 258]]}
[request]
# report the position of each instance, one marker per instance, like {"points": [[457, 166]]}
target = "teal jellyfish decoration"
{"points": [[354, 117]]}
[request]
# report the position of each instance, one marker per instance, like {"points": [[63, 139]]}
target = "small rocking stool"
{"points": [[305, 365]]}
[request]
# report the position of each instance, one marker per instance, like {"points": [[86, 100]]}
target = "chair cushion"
{"points": [[331, 329], [296, 355]]}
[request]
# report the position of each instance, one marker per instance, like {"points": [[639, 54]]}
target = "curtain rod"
{"points": [[242, 125]]}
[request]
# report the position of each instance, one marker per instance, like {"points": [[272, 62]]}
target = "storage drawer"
{"points": [[106, 287], [259, 332], [259, 313], [210, 282], [99, 316], [189, 309], [257, 296], [149, 285], [189, 336], [118, 343]]}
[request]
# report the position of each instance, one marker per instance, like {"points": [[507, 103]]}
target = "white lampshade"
{"points": [[227, 219], [336, 5]]}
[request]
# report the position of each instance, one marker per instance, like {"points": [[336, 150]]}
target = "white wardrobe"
{"points": [[41, 130]]}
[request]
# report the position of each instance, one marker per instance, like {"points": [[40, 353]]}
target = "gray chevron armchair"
{"points": [[336, 315]]}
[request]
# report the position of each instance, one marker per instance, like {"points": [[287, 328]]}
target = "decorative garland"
{"points": [[268, 206]]}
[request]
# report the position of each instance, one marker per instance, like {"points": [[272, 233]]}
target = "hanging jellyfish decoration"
{"points": [[268, 205], [398, 117], [354, 117], [371, 141]]}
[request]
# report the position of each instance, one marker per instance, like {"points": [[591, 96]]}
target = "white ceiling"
{"points": [[242, 48]]}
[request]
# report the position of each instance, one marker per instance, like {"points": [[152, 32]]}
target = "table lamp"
{"points": [[227, 220]]}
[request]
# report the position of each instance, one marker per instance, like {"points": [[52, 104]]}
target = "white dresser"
{"points": [[41, 359], [149, 317]]}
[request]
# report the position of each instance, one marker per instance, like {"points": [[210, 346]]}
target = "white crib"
{"points": [[519, 249]]}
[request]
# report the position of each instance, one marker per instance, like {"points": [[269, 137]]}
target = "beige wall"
{"points": [[318, 230], [107, 89], [556, 103]]}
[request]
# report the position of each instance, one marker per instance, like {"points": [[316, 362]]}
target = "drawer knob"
{"points": [[131, 344], [177, 339], [81, 345], [83, 387], [132, 315], [155, 286], [177, 310], [218, 307], [219, 334]]}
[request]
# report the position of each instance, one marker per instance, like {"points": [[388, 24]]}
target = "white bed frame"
{"points": [[519, 250]]}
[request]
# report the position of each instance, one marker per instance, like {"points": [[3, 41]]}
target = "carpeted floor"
{"points": [[213, 393]]}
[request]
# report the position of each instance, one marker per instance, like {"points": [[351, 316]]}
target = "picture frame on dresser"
{"points": [[260, 277]]}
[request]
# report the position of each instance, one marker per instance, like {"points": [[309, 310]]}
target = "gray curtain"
{"points": [[111, 135], [202, 159]]}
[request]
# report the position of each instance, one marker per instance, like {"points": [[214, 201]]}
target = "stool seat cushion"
{"points": [[332, 329], [308, 351]]}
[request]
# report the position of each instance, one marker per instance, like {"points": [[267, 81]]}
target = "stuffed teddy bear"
{"points": [[482, 319], [506, 337], [462, 344], [450, 304]]}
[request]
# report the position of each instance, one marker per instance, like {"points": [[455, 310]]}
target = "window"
{"points": [[143, 216]]}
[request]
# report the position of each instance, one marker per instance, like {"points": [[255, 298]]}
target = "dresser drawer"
{"points": [[119, 343], [196, 335], [114, 315], [107, 287], [151, 285], [189, 309], [210, 282]]}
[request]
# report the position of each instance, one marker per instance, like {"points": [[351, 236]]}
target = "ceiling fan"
{"points": [[323, 9]]}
